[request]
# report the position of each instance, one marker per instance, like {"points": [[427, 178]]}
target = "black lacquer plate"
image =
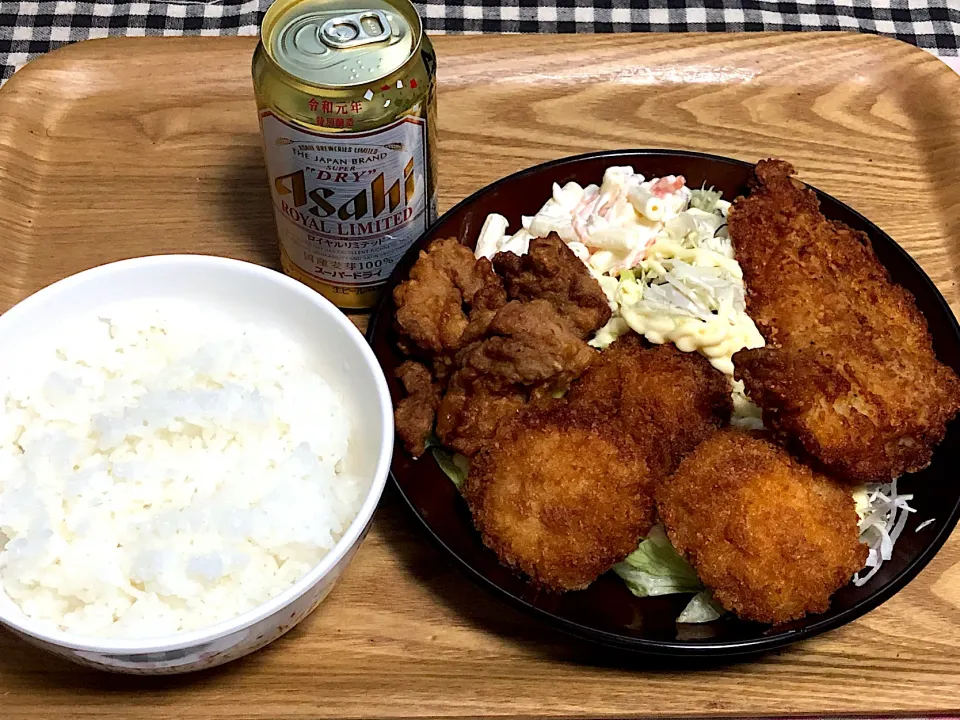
{"points": [[606, 612]]}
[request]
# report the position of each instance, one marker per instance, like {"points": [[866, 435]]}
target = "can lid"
{"points": [[326, 42]]}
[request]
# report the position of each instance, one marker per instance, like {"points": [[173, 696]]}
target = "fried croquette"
{"points": [[667, 400], [449, 299], [550, 271], [415, 413], [560, 496], [772, 538], [848, 377]]}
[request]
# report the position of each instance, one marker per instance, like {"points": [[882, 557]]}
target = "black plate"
{"points": [[606, 612]]}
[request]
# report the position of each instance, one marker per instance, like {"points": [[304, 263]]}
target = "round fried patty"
{"points": [[561, 496], [773, 539]]}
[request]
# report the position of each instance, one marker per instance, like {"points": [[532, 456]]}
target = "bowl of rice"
{"points": [[191, 452]]}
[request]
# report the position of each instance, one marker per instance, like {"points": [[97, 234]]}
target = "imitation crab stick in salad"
{"points": [[659, 250]]}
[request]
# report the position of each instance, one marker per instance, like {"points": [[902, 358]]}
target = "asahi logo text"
{"points": [[373, 208], [348, 206]]}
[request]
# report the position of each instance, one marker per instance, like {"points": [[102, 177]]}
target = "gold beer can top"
{"points": [[338, 44]]}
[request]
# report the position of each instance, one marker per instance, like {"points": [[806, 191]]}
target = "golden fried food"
{"points": [[470, 412], [668, 400], [487, 355], [848, 376], [527, 343], [449, 299], [528, 350], [560, 496], [415, 413], [550, 271], [773, 539]]}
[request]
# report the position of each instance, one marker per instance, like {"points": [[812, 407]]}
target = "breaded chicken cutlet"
{"points": [[666, 399], [772, 539], [560, 496], [550, 271], [848, 377]]}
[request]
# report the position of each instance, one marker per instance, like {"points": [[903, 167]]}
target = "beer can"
{"points": [[346, 92]]}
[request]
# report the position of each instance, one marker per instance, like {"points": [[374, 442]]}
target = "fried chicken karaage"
{"points": [[529, 349], [449, 299], [560, 496], [667, 400], [528, 343], [550, 271], [415, 414], [480, 357], [471, 411], [848, 377], [772, 539]]}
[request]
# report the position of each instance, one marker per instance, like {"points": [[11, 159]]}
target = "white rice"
{"points": [[164, 468]]}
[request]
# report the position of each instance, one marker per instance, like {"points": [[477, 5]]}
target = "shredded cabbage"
{"points": [[704, 199], [689, 290], [883, 515]]}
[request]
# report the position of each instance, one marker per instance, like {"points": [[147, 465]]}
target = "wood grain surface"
{"points": [[117, 148]]}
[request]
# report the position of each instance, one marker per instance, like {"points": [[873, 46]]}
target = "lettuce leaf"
{"points": [[702, 608], [655, 568], [454, 465]]}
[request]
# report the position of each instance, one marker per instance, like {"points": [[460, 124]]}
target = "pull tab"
{"points": [[349, 31]]}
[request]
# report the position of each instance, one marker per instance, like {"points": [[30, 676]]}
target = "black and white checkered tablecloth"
{"points": [[28, 29]]}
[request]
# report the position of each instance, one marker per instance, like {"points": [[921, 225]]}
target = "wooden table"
{"points": [[123, 147]]}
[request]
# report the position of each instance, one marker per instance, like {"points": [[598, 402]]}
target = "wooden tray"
{"points": [[116, 148]]}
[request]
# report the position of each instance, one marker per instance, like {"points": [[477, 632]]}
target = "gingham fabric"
{"points": [[28, 29]]}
